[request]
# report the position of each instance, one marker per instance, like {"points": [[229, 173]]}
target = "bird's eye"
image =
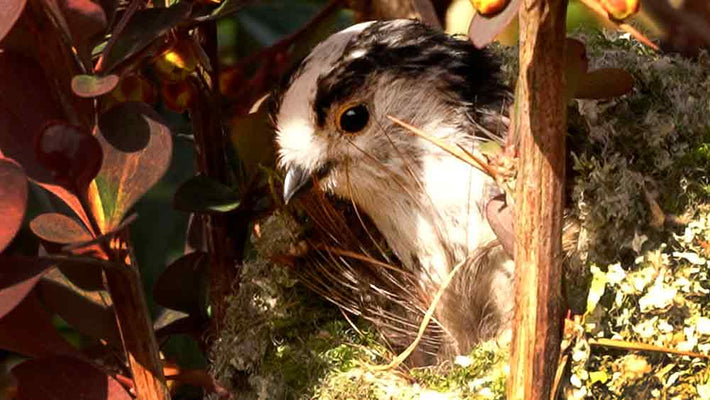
{"points": [[353, 119]]}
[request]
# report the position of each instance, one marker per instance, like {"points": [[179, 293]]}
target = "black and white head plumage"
{"points": [[331, 122]]}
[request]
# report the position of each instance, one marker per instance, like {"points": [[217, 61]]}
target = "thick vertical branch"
{"points": [[540, 128], [137, 333], [211, 161]]}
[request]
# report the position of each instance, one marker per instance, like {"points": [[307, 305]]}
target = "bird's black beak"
{"points": [[296, 181]]}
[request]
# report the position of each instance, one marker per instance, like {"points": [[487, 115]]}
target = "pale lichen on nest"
{"points": [[641, 191], [643, 196]]}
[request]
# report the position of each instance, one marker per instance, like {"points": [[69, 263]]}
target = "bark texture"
{"points": [[540, 115]]}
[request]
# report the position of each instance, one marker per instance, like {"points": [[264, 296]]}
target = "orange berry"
{"points": [[620, 9], [488, 7]]}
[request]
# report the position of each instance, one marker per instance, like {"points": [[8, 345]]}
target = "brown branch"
{"points": [[540, 124], [137, 333], [210, 154]]}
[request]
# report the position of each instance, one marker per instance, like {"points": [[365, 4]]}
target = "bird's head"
{"points": [[331, 116]]}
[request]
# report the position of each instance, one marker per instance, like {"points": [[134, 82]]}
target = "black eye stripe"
{"points": [[413, 52], [354, 118]]}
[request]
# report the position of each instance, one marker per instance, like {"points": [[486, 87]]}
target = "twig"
{"points": [[634, 346], [457, 152]]}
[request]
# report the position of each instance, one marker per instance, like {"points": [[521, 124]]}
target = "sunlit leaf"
{"points": [[172, 321], [10, 11], [63, 378], [18, 275], [202, 194], [13, 199], [90, 312], [137, 148], [484, 29], [145, 27], [93, 85], [73, 156], [182, 285], [58, 228], [25, 108], [28, 330]]}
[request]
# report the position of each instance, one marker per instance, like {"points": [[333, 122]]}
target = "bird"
{"points": [[334, 135]]}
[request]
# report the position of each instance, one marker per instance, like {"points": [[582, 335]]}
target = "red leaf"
{"points": [[90, 312], [58, 228], [137, 149], [85, 19], [13, 200], [73, 156], [10, 11], [18, 275], [29, 330], [25, 107], [64, 378]]}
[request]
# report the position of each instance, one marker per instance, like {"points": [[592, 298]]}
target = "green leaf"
{"points": [[201, 194], [183, 285]]}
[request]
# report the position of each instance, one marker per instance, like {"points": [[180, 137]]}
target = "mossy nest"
{"points": [[642, 194]]}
